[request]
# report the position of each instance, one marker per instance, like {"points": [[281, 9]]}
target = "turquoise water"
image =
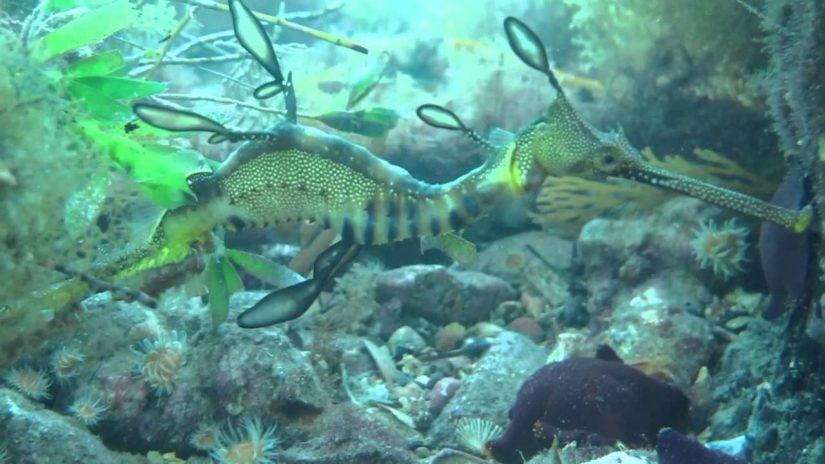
{"points": [[380, 232]]}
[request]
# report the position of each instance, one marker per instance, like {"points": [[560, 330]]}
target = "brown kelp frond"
{"points": [[567, 203]]}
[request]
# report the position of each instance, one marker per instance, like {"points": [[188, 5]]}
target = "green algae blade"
{"points": [[91, 27], [375, 122], [101, 64], [121, 88], [458, 248], [231, 276], [159, 170], [100, 95], [264, 269], [96, 105], [366, 83], [217, 287]]}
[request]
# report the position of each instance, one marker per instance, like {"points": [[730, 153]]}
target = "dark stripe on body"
{"points": [[470, 205], [435, 226], [369, 229], [347, 230], [456, 221]]}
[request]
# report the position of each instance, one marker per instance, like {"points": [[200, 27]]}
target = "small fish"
{"points": [[368, 81]]}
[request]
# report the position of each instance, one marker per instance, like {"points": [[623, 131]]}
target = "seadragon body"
{"points": [[294, 173]]}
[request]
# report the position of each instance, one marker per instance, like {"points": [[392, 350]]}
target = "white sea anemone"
{"points": [[476, 433], [89, 408], [34, 383], [252, 444], [721, 247]]}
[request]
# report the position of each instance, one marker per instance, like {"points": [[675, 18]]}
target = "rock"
{"points": [[743, 366], [228, 373], [527, 326], [449, 337], [443, 295], [490, 390], [405, 339], [350, 435], [569, 344], [509, 257], [736, 446], [619, 457], [653, 328], [442, 392], [621, 254], [34, 435]]}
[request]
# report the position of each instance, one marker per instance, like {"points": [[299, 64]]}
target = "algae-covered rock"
{"points": [[489, 391], [443, 295], [654, 328], [35, 435]]}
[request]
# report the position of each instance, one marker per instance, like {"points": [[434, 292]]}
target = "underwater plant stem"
{"points": [[204, 60], [321, 35], [28, 24], [187, 16], [203, 40], [222, 100], [118, 291], [752, 9]]}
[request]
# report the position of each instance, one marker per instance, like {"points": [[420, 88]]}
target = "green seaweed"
{"points": [[92, 27], [218, 288], [375, 122], [159, 170], [262, 268], [101, 64]]}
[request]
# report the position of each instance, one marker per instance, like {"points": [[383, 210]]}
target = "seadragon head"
{"points": [[561, 143]]}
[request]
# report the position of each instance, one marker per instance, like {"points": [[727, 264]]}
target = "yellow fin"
{"points": [[453, 245]]}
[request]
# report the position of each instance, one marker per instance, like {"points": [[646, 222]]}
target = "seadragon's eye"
{"points": [[607, 161]]}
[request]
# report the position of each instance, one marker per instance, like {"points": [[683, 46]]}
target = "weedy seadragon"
{"points": [[294, 173]]}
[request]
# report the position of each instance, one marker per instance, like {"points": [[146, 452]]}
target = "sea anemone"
{"points": [[250, 445], [476, 433], [721, 248], [30, 382], [65, 363], [162, 359], [89, 408], [205, 437], [4, 455]]}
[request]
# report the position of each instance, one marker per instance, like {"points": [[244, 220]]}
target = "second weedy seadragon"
{"points": [[296, 173]]}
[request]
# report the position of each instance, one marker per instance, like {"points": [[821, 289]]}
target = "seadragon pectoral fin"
{"points": [[794, 220], [291, 302]]}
